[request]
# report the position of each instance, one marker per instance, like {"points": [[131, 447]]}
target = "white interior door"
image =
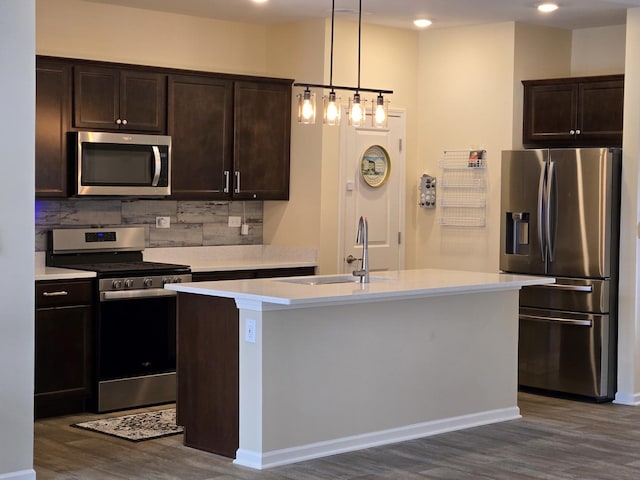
{"points": [[383, 206]]}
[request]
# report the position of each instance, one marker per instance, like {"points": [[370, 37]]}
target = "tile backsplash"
{"points": [[192, 223]]}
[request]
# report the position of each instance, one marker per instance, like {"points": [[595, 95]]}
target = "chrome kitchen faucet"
{"points": [[362, 238]]}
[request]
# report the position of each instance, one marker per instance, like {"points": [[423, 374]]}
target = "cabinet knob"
{"points": [[572, 132], [124, 122], [118, 122], [578, 132]]}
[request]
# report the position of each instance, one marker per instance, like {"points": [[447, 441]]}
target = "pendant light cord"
{"points": [[333, 17], [359, 39]]}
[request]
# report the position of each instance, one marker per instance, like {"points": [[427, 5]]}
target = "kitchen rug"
{"points": [[136, 427]]}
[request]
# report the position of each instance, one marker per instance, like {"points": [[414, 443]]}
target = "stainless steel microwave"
{"points": [[122, 164]]}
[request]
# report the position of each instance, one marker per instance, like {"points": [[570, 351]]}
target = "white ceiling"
{"points": [[399, 13]]}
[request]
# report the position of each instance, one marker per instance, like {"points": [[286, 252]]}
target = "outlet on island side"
{"points": [[250, 330]]}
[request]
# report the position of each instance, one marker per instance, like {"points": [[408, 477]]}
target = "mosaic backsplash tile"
{"points": [[192, 223]]}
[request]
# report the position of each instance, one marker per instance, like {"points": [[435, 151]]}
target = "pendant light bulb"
{"points": [[331, 109], [357, 110], [307, 107], [381, 114]]}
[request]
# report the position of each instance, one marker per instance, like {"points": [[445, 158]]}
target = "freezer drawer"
{"points": [[567, 352], [569, 294]]}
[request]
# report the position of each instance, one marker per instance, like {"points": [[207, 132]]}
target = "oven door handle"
{"points": [[136, 294]]}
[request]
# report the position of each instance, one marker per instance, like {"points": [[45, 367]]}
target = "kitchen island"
{"points": [[326, 365]]}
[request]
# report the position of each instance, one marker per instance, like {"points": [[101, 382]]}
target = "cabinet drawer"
{"points": [[55, 294]]}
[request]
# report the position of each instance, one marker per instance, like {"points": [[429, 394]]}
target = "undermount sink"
{"points": [[324, 280]]}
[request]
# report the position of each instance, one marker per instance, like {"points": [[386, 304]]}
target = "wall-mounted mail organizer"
{"points": [[463, 188]]}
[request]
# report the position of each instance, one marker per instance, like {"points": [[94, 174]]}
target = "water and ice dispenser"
{"points": [[517, 231]]}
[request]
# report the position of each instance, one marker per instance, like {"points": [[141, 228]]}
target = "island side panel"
{"points": [[207, 373], [340, 371]]}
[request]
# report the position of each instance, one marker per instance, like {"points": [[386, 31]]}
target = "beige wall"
{"points": [[80, 29], [598, 51], [17, 130]]}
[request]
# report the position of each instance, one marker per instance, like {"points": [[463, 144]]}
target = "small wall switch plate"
{"points": [[235, 221], [244, 230], [163, 222], [250, 330]]}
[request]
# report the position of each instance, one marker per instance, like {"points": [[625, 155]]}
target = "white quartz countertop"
{"points": [[202, 259], [297, 291]]}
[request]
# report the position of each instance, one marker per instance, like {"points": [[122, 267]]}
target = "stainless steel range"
{"points": [[135, 327]]}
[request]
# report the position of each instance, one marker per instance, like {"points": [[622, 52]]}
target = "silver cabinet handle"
{"points": [[566, 321], [226, 181], [237, 189], [157, 165], [61, 293]]}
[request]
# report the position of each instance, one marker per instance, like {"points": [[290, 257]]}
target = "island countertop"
{"points": [[310, 291]]}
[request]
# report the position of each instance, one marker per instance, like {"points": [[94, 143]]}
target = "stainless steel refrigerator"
{"points": [[560, 213]]}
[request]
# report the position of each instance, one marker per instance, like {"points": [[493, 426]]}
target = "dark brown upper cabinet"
{"points": [[201, 128], [122, 100], [262, 133], [573, 112], [53, 107]]}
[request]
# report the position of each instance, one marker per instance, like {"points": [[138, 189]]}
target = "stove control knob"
{"points": [[148, 282], [128, 283], [117, 284], [165, 280], [177, 280]]}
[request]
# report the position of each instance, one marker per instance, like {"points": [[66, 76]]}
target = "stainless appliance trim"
{"points": [[136, 294], [157, 166], [73, 240], [539, 318], [572, 288], [137, 391]]}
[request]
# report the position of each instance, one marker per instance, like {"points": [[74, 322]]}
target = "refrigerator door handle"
{"points": [[541, 189], [548, 232], [569, 288], [565, 321]]}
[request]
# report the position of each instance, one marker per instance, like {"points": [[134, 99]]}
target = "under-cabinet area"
{"points": [[230, 133]]}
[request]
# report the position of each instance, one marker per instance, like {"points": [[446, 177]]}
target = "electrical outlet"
{"points": [[163, 222], [235, 221], [250, 330]]}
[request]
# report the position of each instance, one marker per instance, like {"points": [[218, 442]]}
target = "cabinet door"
{"points": [[96, 94], [200, 125], [112, 99], [143, 101], [550, 113], [601, 114], [53, 107], [262, 130]]}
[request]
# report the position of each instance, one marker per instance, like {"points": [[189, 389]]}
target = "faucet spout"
{"points": [[362, 238]]}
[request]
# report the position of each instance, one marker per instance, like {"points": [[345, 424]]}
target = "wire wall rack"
{"points": [[463, 188]]}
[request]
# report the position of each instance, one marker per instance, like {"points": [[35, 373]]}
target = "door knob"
{"points": [[350, 259]]}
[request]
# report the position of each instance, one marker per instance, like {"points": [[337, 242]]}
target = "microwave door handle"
{"points": [[550, 180], [157, 166], [541, 210]]}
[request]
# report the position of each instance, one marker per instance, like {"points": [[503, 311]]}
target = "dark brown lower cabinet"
{"points": [[207, 371], [63, 329]]}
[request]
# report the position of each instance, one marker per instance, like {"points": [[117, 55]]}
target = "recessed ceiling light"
{"points": [[422, 23], [260, 1], [547, 7]]}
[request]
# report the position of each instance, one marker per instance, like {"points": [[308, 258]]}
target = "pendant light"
{"points": [[357, 113], [332, 110]]}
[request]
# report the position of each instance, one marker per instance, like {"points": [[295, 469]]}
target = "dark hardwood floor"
{"points": [[555, 439]]}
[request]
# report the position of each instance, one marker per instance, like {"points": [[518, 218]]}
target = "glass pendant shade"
{"points": [[332, 110], [306, 107], [357, 111], [380, 117]]}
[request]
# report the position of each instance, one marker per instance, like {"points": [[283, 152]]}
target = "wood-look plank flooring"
{"points": [[555, 439]]}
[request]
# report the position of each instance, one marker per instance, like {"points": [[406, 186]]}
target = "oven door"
{"points": [[136, 352]]}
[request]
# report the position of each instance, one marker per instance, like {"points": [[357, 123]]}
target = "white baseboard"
{"points": [[632, 399], [21, 475], [260, 461]]}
